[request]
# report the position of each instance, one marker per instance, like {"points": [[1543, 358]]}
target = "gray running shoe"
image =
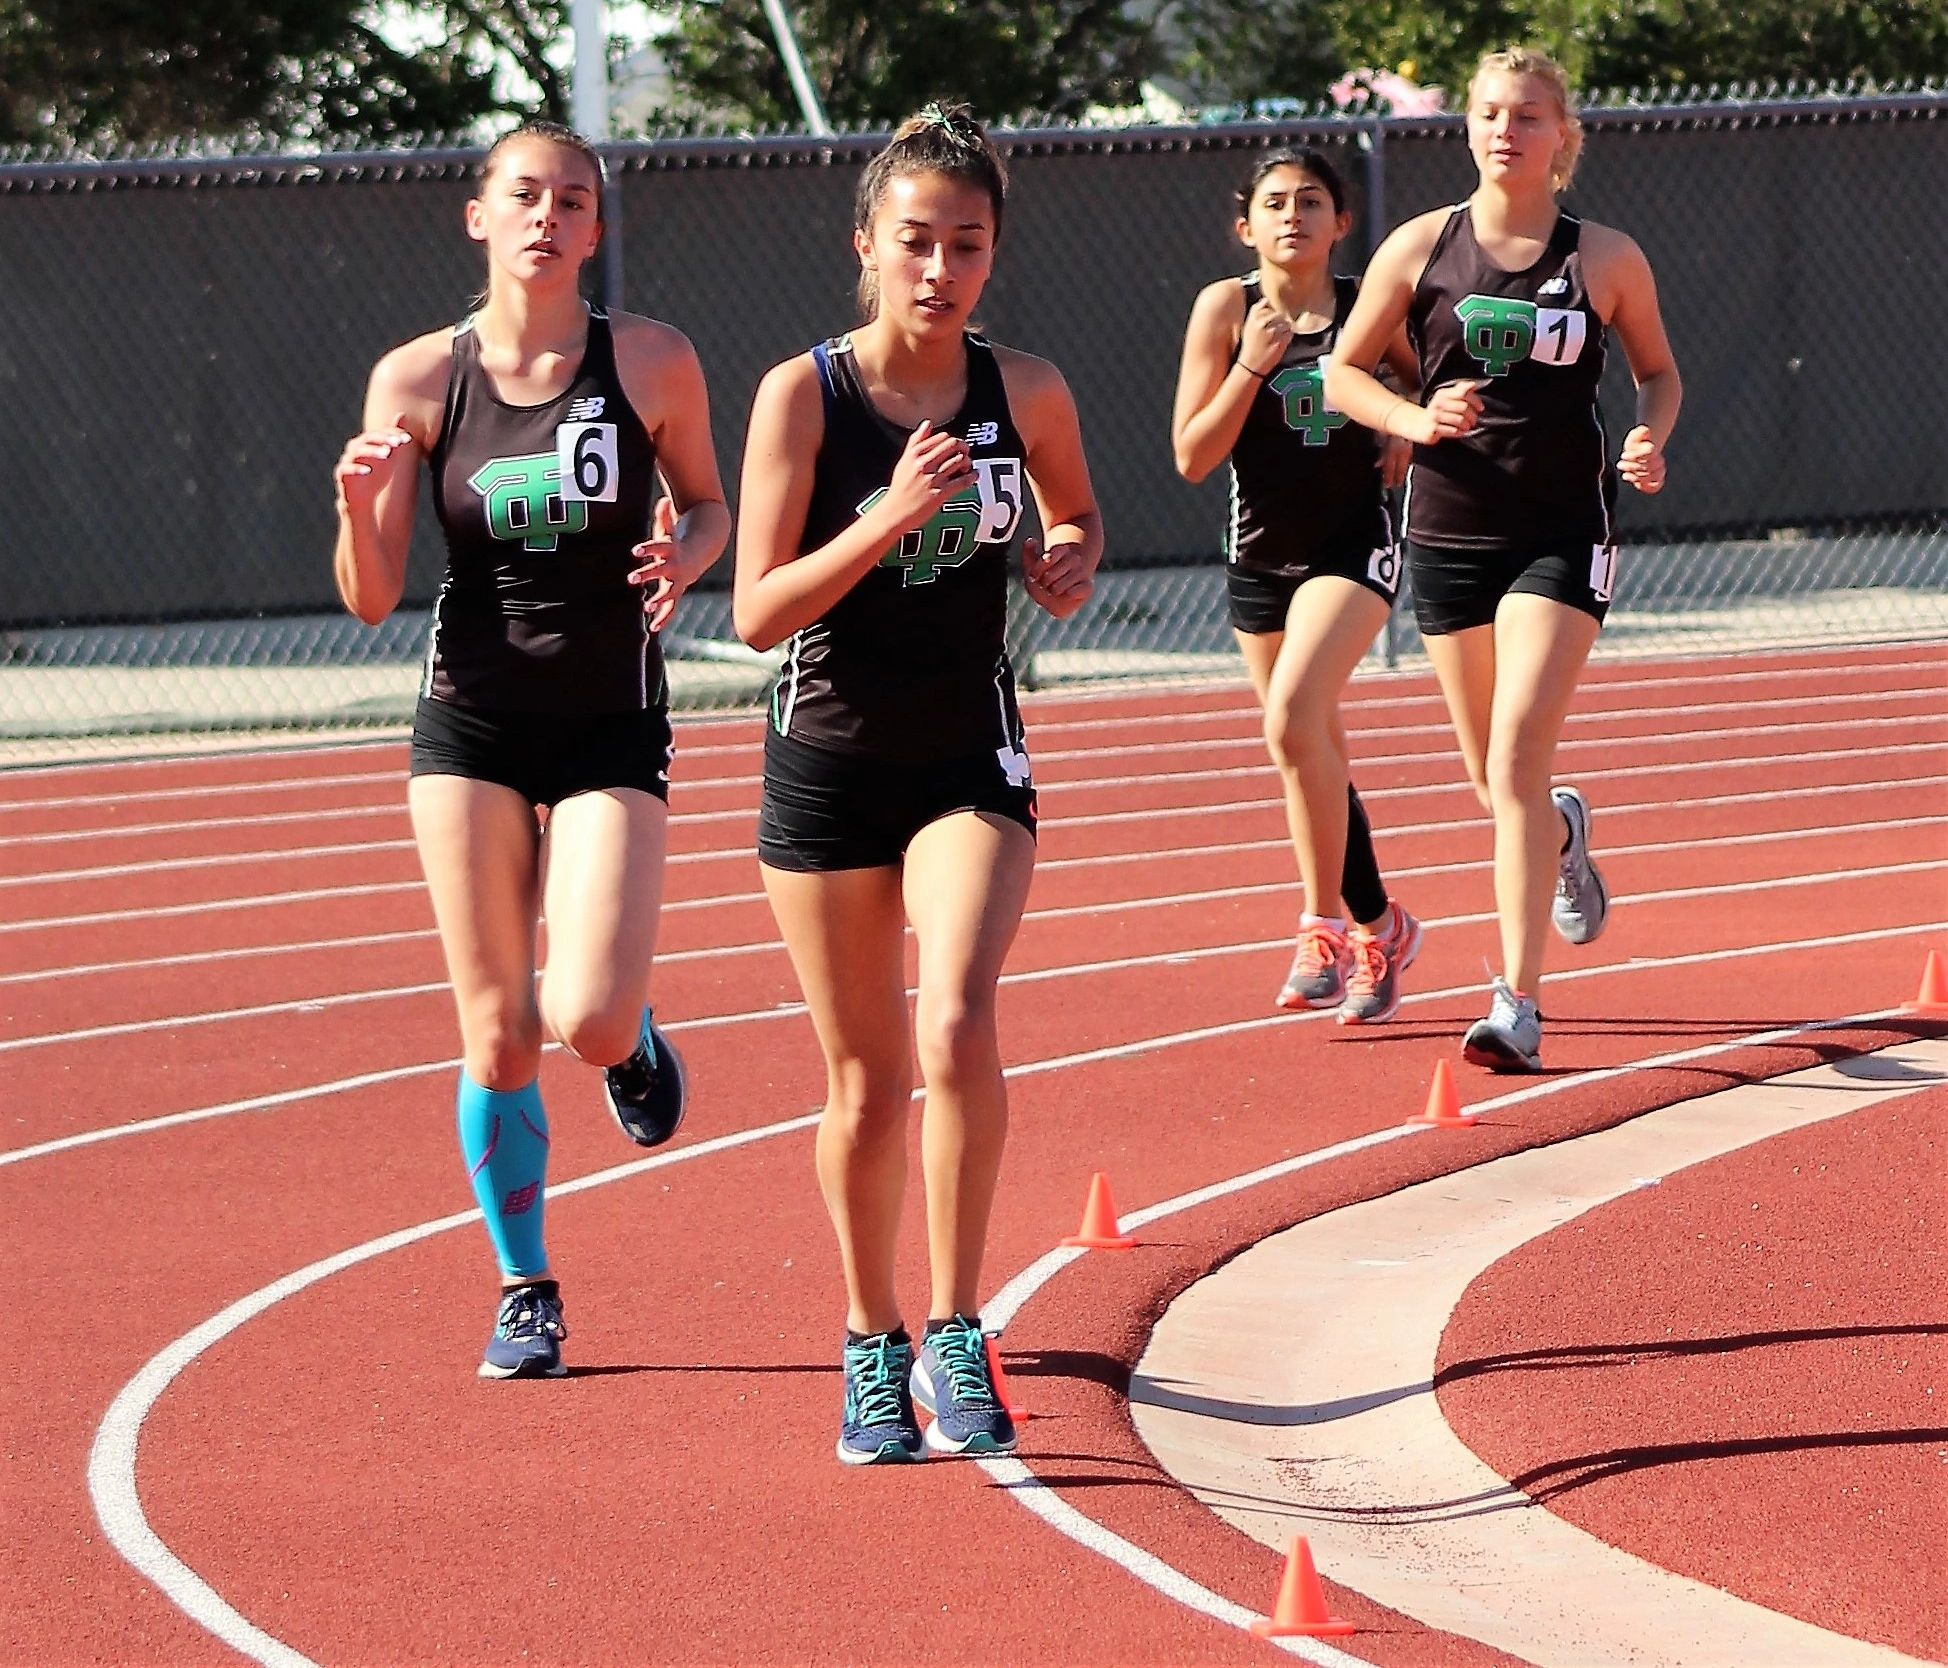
{"points": [[1582, 902], [1319, 969], [1510, 1038], [1373, 987]]}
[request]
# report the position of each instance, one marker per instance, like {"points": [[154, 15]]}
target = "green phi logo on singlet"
{"points": [[1301, 389], [523, 501], [987, 513], [1496, 330]]}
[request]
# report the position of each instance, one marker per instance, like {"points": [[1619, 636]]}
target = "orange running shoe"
{"points": [[1373, 985], [1319, 969]]}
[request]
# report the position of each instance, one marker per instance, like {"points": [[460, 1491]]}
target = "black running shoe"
{"points": [[528, 1331], [645, 1092]]}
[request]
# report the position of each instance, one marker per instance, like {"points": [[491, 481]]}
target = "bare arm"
{"points": [[376, 479], [1376, 328], [1059, 571], [664, 381], [1623, 279], [778, 590], [1226, 356]]}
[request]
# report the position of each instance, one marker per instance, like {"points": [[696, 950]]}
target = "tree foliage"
{"points": [[117, 72], [874, 63], [1699, 42]]}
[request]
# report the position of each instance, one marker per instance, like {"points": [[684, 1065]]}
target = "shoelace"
{"points": [[524, 1315], [875, 1376], [1319, 948], [1369, 966], [963, 1352]]}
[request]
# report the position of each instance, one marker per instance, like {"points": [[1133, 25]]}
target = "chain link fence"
{"points": [[188, 343]]}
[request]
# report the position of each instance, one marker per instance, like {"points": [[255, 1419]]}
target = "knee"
{"points": [[956, 1040], [1296, 730], [602, 1036], [503, 1046], [1517, 773], [866, 1104]]}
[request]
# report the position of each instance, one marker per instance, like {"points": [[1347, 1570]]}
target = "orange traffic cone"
{"points": [[1443, 1103], [1099, 1231], [1301, 1608], [1933, 997], [1002, 1388]]}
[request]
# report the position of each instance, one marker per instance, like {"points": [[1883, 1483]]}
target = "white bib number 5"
{"points": [[585, 457]]}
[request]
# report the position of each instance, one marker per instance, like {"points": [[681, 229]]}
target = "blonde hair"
{"points": [[1532, 61]]}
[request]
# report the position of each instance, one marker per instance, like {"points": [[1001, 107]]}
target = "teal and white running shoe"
{"points": [[879, 1426], [953, 1382]]}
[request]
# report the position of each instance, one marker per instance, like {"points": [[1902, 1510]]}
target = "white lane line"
{"points": [[386, 993], [1027, 1488], [1232, 1028], [1316, 1413], [112, 1457], [1059, 790], [1148, 813], [719, 900], [395, 804], [1266, 807], [1597, 677]]}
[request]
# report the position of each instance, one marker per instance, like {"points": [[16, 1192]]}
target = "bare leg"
{"points": [[604, 891], [479, 845], [1464, 661], [846, 937], [1540, 647], [966, 883], [1331, 623]]}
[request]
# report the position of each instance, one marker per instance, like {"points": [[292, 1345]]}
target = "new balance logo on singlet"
{"points": [[524, 503], [1301, 391], [585, 411], [1501, 332]]}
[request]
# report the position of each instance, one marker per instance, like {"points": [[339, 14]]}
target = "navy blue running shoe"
{"points": [[645, 1092], [879, 1426], [953, 1382], [528, 1332]]}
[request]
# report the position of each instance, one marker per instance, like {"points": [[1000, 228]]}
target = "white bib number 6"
{"points": [[585, 458]]}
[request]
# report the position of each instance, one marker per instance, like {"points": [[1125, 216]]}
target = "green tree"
{"points": [[1635, 43], [114, 72], [874, 63]]}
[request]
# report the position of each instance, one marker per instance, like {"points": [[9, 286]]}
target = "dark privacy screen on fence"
{"points": [[187, 345]]}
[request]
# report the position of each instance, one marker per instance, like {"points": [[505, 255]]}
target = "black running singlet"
{"points": [[1534, 471], [911, 663], [541, 506], [1305, 481]]}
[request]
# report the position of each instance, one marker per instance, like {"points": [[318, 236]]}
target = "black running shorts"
{"points": [[545, 757], [1455, 590], [825, 810], [1259, 601]]}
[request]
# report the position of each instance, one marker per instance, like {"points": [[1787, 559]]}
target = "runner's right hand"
{"points": [[933, 468], [372, 459]]}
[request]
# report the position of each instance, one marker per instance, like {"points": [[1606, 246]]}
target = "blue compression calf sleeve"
{"points": [[504, 1139]]}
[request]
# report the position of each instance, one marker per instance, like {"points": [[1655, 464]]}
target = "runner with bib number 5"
{"points": [[883, 484], [1510, 544]]}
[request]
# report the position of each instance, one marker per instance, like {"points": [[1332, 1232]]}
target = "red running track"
{"points": [[229, 1059]]}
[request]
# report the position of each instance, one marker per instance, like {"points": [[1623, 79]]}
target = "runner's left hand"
{"points": [[663, 575], [1059, 580], [1641, 462], [1395, 455]]}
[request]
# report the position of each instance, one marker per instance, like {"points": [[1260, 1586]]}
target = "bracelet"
{"points": [[1262, 376], [1386, 422]]}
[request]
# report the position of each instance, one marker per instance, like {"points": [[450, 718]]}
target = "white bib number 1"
{"points": [[585, 458]]}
